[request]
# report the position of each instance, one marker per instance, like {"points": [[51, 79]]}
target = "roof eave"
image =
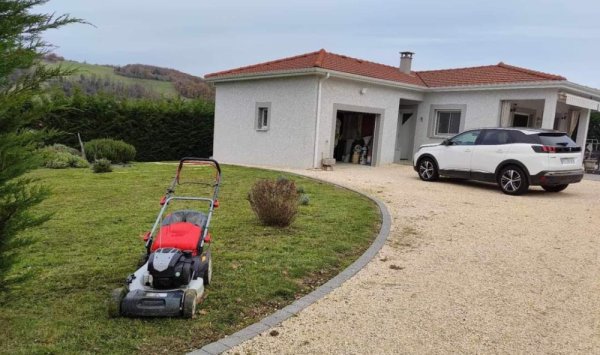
{"points": [[313, 71], [543, 84], [259, 75]]}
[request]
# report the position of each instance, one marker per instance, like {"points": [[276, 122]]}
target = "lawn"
{"points": [[92, 243]]}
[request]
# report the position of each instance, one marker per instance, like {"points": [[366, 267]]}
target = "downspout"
{"points": [[318, 121]]}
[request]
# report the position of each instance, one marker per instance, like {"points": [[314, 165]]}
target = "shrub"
{"points": [[61, 148], [304, 200], [158, 129], [300, 189], [275, 202], [102, 166], [60, 156], [116, 151]]}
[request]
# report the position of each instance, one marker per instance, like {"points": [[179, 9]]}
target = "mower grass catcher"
{"points": [[177, 264]]}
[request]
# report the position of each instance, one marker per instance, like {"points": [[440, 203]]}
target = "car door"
{"points": [[455, 154], [490, 150]]}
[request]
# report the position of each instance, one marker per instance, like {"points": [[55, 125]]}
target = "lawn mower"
{"points": [[177, 264]]}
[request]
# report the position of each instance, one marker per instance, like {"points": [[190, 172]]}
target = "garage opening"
{"points": [[355, 137]]}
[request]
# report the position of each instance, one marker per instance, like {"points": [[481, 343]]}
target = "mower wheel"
{"points": [[207, 277], [114, 304], [189, 303]]}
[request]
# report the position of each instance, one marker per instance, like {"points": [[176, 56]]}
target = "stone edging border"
{"points": [[274, 319]]}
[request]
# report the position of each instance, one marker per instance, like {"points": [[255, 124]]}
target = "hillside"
{"points": [[132, 80]]}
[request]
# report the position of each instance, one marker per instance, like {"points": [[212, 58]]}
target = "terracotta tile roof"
{"points": [[491, 74]]}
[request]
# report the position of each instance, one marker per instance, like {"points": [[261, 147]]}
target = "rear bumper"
{"points": [[557, 177]]}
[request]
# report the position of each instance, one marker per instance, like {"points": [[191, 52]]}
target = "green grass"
{"points": [[165, 88], [92, 243]]}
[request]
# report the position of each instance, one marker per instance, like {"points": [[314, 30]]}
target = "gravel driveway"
{"points": [[466, 269]]}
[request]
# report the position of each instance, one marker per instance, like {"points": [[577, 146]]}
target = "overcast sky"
{"points": [[202, 36]]}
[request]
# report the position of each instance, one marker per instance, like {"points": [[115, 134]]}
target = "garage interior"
{"points": [[354, 136]]}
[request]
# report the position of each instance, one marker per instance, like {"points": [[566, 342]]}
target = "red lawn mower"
{"points": [[177, 264]]}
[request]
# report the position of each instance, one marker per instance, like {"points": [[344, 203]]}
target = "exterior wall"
{"points": [[480, 109], [289, 141], [362, 97]]}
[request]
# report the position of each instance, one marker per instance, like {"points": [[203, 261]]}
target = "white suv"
{"points": [[514, 158]]}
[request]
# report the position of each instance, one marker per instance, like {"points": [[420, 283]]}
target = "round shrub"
{"points": [[275, 202], [102, 166], [60, 156], [116, 151], [304, 200]]}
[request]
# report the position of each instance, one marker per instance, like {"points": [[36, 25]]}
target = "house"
{"points": [[295, 111]]}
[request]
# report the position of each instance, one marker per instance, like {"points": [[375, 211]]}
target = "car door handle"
{"points": [[500, 151], [467, 150]]}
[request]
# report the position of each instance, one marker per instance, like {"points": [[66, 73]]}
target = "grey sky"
{"points": [[199, 37]]}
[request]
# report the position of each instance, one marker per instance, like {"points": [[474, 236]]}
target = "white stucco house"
{"points": [[295, 111]]}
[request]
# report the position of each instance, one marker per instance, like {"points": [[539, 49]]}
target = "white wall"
{"points": [[376, 99], [482, 108], [289, 142]]}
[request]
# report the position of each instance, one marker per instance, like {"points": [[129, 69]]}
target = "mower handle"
{"points": [[205, 160]]}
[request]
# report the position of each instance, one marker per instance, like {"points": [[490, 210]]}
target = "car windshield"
{"points": [[556, 140]]}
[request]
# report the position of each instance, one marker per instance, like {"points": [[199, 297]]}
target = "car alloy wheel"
{"points": [[426, 169], [511, 180]]}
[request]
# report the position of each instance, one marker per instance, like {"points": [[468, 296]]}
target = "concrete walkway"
{"points": [[466, 269]]}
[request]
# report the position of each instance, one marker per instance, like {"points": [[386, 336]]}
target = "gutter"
{"points": [[318, 120]]}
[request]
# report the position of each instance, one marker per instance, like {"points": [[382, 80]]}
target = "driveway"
{"points": [[466, 269]]}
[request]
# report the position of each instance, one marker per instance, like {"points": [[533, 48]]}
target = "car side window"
{"points": [[467, 138], [495, 137]]}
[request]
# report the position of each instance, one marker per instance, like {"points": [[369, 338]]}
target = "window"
{"points": [[495, 137], [467, 138], [447, 123], [263, 116]]}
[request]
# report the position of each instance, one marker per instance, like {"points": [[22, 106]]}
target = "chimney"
{"points": [[406, 61]]}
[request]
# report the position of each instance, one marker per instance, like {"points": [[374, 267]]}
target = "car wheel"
{"points": [[428, 170], [513, 181], [554, 188]]}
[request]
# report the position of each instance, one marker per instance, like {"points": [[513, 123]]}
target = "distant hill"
{"points": [[132, 80]]}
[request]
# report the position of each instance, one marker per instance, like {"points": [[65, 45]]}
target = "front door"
{"points": [[405, 135]]}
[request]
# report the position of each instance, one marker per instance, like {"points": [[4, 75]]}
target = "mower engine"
{"points": [[170, 268]]}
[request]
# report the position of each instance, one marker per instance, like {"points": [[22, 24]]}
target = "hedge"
{"points": [[165, 129]]}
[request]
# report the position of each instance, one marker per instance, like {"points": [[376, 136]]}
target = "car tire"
{"points": [[428, 170], [554, 188], [513, 180]]}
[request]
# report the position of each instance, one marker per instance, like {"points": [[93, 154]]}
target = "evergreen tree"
{"points": [[21, 77]]}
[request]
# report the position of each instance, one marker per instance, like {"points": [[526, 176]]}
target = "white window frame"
{"points": [[262, 120], [437, 122]]}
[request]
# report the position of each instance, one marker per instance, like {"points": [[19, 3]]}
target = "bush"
{"points": [[115, 151], [60, 156], [304, 200], [102, 166], [165, 129], [275, 202]]}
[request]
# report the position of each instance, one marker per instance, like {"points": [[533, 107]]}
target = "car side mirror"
{"points": [[447, 142]]}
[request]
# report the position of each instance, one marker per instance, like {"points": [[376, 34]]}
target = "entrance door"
{"points": [[405, 135]]}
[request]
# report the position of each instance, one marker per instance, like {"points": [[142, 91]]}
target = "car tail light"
{"points": [[543, 149]]}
